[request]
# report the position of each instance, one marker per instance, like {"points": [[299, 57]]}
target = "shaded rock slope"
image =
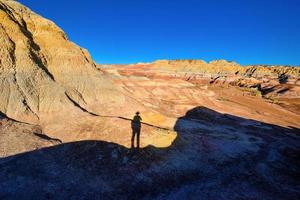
{"points": [[215, 156]]}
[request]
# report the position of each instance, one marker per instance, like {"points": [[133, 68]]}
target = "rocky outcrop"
{"points": [[41, 71], [218, 72], [213, 68]]}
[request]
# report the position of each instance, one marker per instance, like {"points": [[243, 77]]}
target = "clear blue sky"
{"points": [[129, 31]]}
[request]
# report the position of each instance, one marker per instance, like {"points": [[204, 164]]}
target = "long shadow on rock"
{"points": [[215, 156]]}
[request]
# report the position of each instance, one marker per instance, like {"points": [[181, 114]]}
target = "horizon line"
{"points": [[192, 59]]}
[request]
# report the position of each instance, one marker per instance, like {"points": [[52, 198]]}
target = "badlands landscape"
{"points": [[210, 130]]}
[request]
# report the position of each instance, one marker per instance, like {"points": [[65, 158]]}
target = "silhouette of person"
{"points": [[136, 129]]}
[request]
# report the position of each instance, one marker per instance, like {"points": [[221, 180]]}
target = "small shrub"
{"points": [[223, 99], [252, 91]]}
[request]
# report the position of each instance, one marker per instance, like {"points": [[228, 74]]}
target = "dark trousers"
{"points": [[137, 134]]}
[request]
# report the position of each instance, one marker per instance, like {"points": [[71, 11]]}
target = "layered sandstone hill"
{"points": [[43, 73], [197, 69], [178, 84], [223, 67], [269, 80], [45, 78]]}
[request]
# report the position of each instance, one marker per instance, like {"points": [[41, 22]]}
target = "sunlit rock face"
{"points": [[41, 70]]}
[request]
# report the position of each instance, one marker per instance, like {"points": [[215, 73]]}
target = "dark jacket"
{"points": [[136, 122]]}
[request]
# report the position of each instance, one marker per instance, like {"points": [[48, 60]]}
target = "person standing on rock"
{"points": [[136, 129]]}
